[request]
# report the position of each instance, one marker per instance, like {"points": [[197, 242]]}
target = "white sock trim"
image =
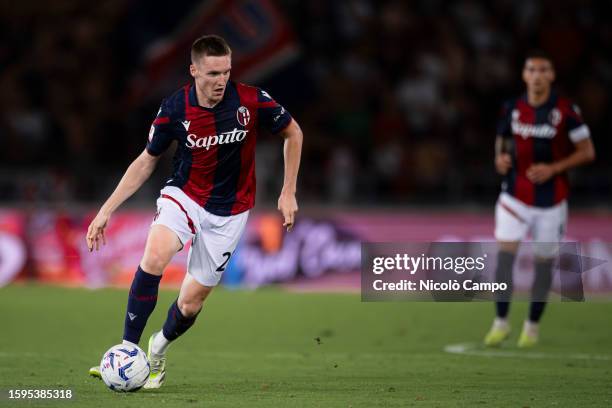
{"points": [[532, 328], [160, 343], [500, 323]]}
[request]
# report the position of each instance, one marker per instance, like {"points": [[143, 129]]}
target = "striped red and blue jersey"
{"points": [[542, 134], [214, 163]]}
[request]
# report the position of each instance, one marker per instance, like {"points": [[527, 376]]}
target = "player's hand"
{"points": [[540, 172], [503, 163], [95, 232], [287, 205]]}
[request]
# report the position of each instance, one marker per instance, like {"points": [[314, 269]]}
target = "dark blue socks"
{"points": [[176, 324], [141, 302], [540, 289], [503, 273]]}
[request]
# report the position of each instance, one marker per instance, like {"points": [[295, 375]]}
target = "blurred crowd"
{"points": [[412, 91], [60, 81], [398, 100]]}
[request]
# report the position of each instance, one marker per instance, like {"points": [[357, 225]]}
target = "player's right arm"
{"points": [[136, 174], [160, 138], [503, 160]]}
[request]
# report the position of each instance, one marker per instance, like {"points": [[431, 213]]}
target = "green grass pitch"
{"points": [[271, 348]]}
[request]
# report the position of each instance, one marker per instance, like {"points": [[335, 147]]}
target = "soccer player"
{"points": [[215, 123], [540, 136]]}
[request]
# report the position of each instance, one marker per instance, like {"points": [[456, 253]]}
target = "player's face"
{"points": [[538, 74], [211, 75]]}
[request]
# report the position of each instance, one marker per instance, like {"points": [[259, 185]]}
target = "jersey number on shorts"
{"points": [[228, 255]]}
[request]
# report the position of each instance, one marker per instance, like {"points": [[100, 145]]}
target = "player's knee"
{"points": [[190, 307], [154, 262], [509, 246], [545, 251]]}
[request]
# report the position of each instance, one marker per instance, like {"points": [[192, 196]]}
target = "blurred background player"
{"points": [[540, 136], [207, 200]]}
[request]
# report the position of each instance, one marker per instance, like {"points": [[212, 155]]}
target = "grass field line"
{"points": [[473, 349]]}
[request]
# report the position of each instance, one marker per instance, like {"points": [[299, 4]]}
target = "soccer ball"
{"points": [[124, 368]]}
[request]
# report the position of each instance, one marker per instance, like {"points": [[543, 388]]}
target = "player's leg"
{"points": [[548, 231], [170, 230], [208, 257], [500, 329], [503, 273], [162, 244], [511, 226], [181, 316]]}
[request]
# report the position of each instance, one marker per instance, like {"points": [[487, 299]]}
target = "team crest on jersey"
{"points": [[554, 117], [243, 115]]}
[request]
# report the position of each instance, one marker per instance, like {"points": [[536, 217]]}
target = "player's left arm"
{"points": [[541, 172], [278, 121], [584, 151], [292, 151]]}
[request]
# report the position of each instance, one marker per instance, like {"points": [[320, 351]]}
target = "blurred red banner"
{"points": [[323, 250]]}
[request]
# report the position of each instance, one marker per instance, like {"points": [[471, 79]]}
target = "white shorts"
{"points": [[514, 220], [214, 237]]}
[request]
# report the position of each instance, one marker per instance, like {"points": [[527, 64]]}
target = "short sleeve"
{"points": [[504, 128], [577, 130], [161, 133], [272, 116]]}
